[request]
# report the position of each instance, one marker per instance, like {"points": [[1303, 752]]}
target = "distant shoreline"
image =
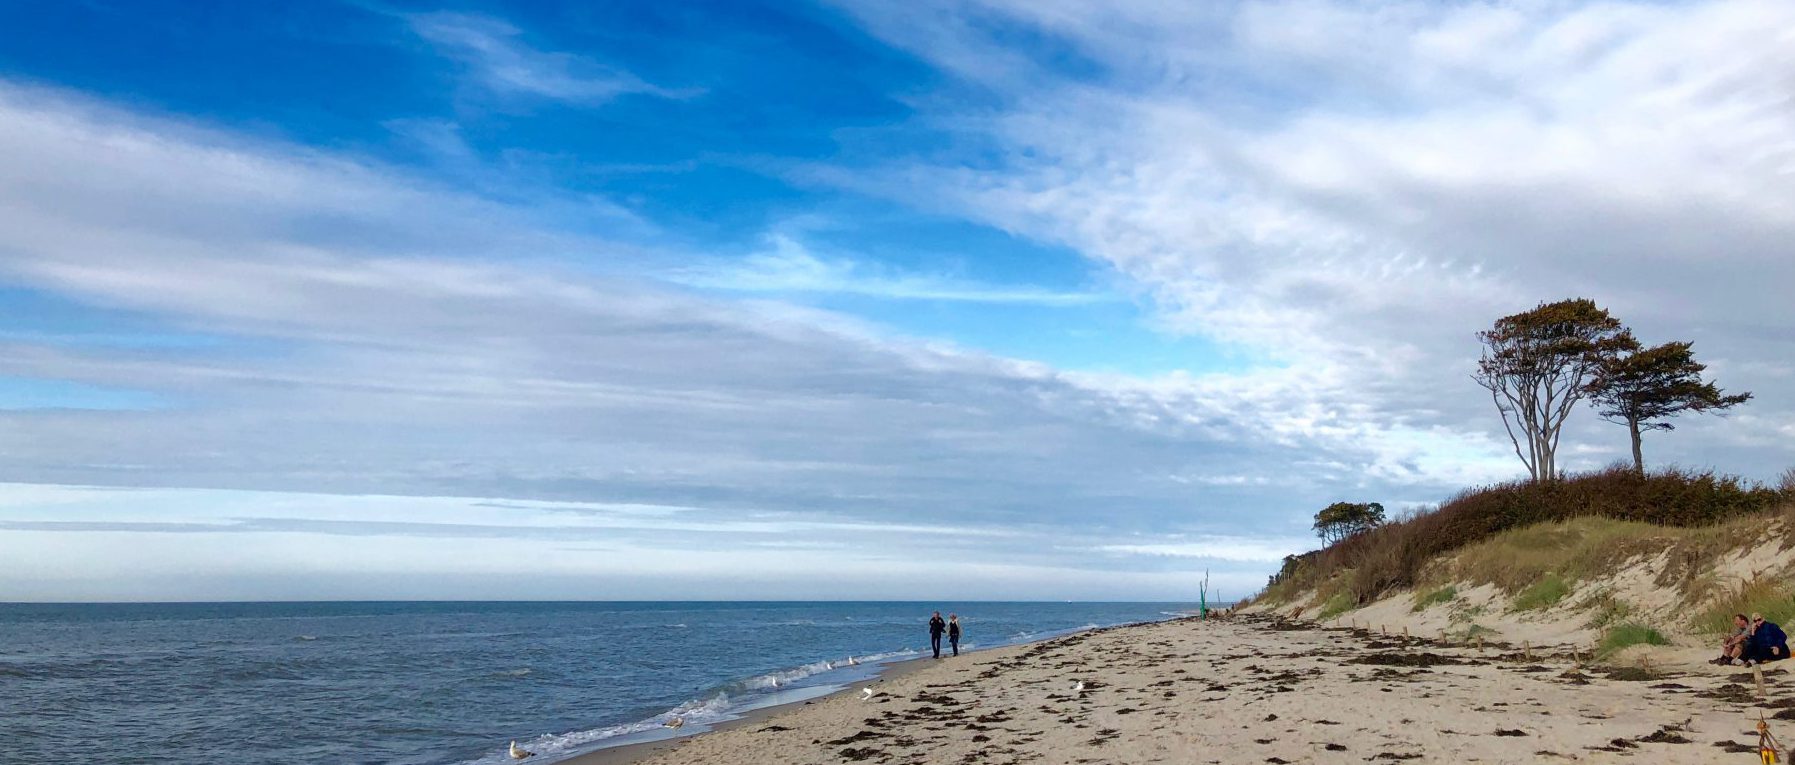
{"points": [[626, 754]]}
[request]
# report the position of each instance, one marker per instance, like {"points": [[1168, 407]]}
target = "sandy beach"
{"points": [[1255, 690]]}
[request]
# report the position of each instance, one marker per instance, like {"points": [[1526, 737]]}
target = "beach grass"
{"points": [[1772, 598], [1435, 597], [1543, 594], [1339, 604], [1628, 634]]}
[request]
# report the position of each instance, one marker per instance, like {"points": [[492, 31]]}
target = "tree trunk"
{"points": [[1638, 458]]}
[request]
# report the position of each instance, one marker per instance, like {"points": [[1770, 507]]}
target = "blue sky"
{"points": [[1057, 302]]}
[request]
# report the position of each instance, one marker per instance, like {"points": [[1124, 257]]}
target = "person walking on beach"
{"points": [[936, 627], [953, 632]]}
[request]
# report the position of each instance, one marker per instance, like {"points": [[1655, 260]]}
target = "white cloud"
{"points": [[1353, 190], [378, 335], [788, 267], [499, 60]]}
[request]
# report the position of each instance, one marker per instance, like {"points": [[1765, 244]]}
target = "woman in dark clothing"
{"points": [[1767, 642], [936, 627], [953, 632]]}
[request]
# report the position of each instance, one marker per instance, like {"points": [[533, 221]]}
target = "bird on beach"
{"points": [[866, 694], [1078, 687], [674, 723], [518, 753]]}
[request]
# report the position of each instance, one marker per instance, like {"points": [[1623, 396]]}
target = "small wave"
{"points": [[515, 672], [551, 745], [305, 638]]}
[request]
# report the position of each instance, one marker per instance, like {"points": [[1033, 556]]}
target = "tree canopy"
{"points": [[1640, 388], [1537, 364], [1344, 519]]}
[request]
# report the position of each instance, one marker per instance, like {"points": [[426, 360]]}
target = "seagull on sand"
{"points": [[674, 723], [518, 753], [1078, 687], [866, 694]]}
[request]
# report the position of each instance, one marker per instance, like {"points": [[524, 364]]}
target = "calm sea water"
{"points": [[444, 683]]}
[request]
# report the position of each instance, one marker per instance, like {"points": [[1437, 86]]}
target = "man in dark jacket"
{"points": [[1768, 643], [936, 627]]}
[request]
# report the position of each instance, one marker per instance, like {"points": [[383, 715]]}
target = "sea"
{"points": [[447, 683]]}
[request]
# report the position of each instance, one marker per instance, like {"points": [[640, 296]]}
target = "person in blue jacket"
{"points": [[1767, 643]]}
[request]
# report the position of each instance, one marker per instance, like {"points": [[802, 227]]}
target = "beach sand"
{"points": [[1254, 690]]}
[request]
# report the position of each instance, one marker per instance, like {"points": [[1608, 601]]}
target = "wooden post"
{"points": [[1757, 675], [1405, 633], [1527, 650], [1385, 628], [1480, 644]]}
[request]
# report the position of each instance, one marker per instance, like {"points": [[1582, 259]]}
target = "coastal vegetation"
{"points": [[1627, 635], [1611, 508], [1555, 539]]}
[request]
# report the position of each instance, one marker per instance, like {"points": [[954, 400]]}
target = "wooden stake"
{"points": [[1480, 644], [1405, 632], [1757, 674], [1527, 650], [1385, 628]]}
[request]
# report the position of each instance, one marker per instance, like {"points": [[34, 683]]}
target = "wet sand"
{"points": [[1254, 690]]}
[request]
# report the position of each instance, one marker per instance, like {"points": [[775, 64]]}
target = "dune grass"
{"points": [[1339, 604], [1628, 634], [1543, 594], [1434, 597], [1774, 599], [1605, 610]]}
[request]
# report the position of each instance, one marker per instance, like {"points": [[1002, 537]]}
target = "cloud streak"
{"points": [[498, 59]]}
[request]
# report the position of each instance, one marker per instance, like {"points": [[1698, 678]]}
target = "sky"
{"points": [[847, 300]]}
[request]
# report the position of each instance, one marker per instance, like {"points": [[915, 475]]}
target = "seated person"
{"points": [[1767, 642], [1734, 644]]}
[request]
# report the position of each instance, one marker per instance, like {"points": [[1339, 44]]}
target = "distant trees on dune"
{"points": [[1344, 519], [1538, 364]]}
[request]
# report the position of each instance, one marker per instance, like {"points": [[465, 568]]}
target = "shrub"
{"points": [[1392, 556], [1543, 594], [1629, 634], [1434, 598]]}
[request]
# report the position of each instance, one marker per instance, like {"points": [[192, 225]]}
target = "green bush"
{"points": [[1629, 634], [1543, 594], [1434, 598]]}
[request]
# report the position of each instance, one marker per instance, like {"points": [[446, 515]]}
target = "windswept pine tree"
{"points": [[1537, 365], [1344, 519], [1641, 388]]}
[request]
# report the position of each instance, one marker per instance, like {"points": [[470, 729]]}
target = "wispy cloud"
{"points": [[1355, 190], [429, 354], [499, 59], [790, 267]]}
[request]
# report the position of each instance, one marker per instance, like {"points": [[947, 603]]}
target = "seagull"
{"points": [[1078, 687], [866, 694], [518, 754], [674, 723]]}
